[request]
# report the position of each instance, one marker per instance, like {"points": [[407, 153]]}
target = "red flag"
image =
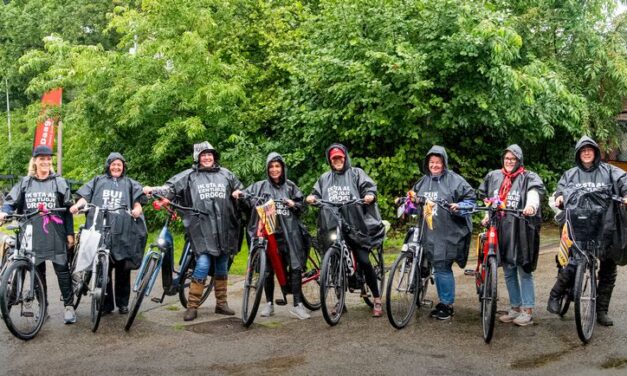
{"points": [[44, 133]]}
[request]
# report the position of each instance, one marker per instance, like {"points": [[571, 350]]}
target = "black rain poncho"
{"points": [[54, 192], [519, 239], [599, 175], [128, 235], [290, 225], [208, 190], [366, 227], [449, 240]]}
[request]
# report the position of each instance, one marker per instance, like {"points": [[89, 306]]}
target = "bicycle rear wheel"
{"points": [[100, 290], [311, 281], [401, 292], [585, 300], [332, 286], [186, 279], [22, 300], [142, 291], [376, 259], [253, 284], [488, 300]]}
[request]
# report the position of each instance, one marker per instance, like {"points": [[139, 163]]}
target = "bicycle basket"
{"points": [[586, 212]]}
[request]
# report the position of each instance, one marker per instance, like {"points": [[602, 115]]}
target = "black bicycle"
{"points": [[23, 301], [410, 274], [339, 271], [160, 256]]}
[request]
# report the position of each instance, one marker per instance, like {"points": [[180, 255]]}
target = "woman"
{"points": [[344, 183], [449, 238], [128, 233], [519, 239], [214, 236], [43, 186], [289, 233], [590, 172]]}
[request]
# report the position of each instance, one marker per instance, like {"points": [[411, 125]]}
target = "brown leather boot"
{"points": [[193, 300], [222, 307]]}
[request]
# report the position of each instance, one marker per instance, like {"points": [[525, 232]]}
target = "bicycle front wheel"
{"points": [[144, 286], [488, 300], [332, 286], [253, 284], [100, 290], [22, 300], [585, 300], [311, 281], [402, 292]]}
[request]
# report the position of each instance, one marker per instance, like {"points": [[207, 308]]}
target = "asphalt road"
{"points": [[161, 343]]}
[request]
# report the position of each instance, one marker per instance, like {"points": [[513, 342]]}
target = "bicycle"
{"points": [[94, 281], [160, 256], [410, 273], [23, 301], [339, 271], [585, 228], [264, 248], [485, 273]]}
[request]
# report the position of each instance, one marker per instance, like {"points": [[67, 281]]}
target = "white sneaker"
{"points": [[523, 319], [268, 310], [69, 317], [510, 316], [300, 312]]}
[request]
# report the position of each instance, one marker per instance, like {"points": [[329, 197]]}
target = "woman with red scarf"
{"points": [[519, 239]]}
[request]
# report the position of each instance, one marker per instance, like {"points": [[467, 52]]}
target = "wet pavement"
{"points": [[161, 343]]}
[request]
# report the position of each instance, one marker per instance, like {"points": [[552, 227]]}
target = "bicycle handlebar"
{"points": [[167, 202], [29, 215], [265, 197], [319, 203]]}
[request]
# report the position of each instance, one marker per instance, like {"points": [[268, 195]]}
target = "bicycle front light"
{"points": [[333, 236], [161, 243], [405, 247]]}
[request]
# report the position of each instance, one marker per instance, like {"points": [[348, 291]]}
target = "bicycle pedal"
{"points": [[155, 299], [427, 303], [28, 314], [280, 302], [469, 272]]}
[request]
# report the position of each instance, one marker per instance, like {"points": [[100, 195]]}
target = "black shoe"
{"points": [[123, 310], [554, 305], [604, 319], [445, 313], [436, 311]]}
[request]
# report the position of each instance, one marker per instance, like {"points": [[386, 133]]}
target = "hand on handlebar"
{"points": [[368, 199], [236, 194], [559, 202], [311, 199], [3, 215], [529, 211], [148, 191]]}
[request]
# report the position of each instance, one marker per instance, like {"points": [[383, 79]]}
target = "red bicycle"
{"points": [[263, 248], [485, 273]]}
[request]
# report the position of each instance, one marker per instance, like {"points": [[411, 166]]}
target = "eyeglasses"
{"points": [[511, 159]]}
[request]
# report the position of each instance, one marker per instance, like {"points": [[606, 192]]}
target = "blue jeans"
{"points": [[444, 281], [520, 286], [203, 263]]}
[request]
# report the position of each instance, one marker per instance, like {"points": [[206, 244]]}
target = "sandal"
{"points": [[377, 310]]}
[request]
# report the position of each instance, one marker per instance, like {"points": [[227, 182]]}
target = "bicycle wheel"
{"points": [[565, 303], [401, 296], [100, 290], [488, 300], [585, 300], [186, 280], [142, 290], [311, 281], [376, 260], [253, 284], [332, 286], [22, 300]]}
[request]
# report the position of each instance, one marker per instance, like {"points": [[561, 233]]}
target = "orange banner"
{"points": [[44, 133]]}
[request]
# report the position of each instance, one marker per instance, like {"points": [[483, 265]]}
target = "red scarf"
{"points": [[506, 185]]}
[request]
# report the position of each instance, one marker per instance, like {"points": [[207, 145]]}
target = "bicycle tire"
{"points": [[585, 300], [332, 286], [401, 297], [253, 285], [12, 293], [376, 259], [187, 280], [311, 282], [565, 301], [100, 290], [488, 300], [142, 291]]}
